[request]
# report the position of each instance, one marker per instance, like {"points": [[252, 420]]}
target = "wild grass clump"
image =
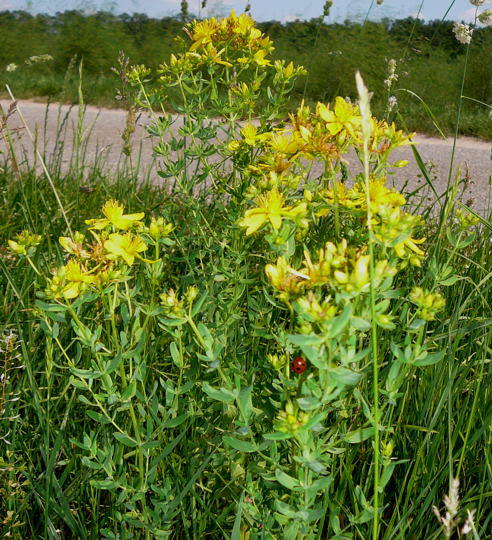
{"points": [[248, 348]]}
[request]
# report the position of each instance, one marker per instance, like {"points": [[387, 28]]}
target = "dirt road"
{"points": [[103, 143]]}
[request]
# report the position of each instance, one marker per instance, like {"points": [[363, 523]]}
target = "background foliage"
{"points": [[430, 60]]}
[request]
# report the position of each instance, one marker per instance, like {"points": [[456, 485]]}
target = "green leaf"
{"points": [[277, 436], [244, 403], [449, 281], [175, 422], [114, 364], [316, 419], [241, 446], [77, 383], [359, 435], [302, 340], [287, 481], [236, 529], [285, 509], [98, 417], [340, 322], [129, 392], [124, 439], [343, 375], [430, 359], [308, 403], [85, 373], [220, 394], [198, 304], [177, 359], [104, 484], [360, 324], [385, 477]]}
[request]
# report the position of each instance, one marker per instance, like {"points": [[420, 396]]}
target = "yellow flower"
{"points": [[385, 138], [74, 246], [202, 32], [211, 52], [429, 303], [69, 281], [158, 228], [284, 278], [379, 195], [243, 24], [285, 143], [127, 246], [260, 59], [315, 311], [24, 243], [249, 133], [105, 277], [332, 258], [114, 216], [394, 228], [344, 119], [270, 209]]}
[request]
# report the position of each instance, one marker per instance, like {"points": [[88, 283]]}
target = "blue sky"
{"points": [[283, 10]]}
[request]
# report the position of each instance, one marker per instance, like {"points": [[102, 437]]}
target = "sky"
{"points": [[261, 10]]}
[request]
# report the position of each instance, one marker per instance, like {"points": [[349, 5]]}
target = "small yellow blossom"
{"points": [[75, 245], [113, 211], [126, 246], [291, 420], [24, 243], [284, 278], [285, 143], [315, 311], [202, 32], [270, 208], [259, 58], [343, 120], [158, 228], [429, 303], [69, 281], [379, 195]]}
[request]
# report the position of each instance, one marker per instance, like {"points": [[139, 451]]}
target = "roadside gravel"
{"points": [[103, 129]]}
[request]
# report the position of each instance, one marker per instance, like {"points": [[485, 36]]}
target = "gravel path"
{"points": [[103, 129]]}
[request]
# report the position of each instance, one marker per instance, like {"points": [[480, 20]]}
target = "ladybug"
{"points": [[299, 365]]}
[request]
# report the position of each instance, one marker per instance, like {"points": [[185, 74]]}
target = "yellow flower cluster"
{"points": [[239, 30], [393, 227], [429, 304], [229, 42], [291, 420], [325, 134], [118, 239], [24, 243], [338, 266], [466, 219], [175, 307]]}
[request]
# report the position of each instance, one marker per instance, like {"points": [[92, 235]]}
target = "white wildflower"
{"points": [[392, 76], [11, 67], [463, 33], [469, 524], [392, 102], [486, 17], [38, 59]]}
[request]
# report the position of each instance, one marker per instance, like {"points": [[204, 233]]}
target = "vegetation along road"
{"points": [[101, 142]]}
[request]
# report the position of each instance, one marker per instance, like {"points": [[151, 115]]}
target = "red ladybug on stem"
{"points": [[299, 365]]}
